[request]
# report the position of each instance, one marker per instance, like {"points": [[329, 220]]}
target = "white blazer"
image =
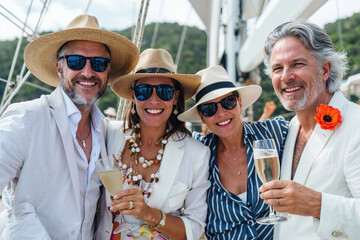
{"points": [[330, 164], [183, 182], [38, 169]]}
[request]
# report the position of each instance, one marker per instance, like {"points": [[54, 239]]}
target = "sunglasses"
{"points": [[209, 109], [144, 91], [77, 62]]}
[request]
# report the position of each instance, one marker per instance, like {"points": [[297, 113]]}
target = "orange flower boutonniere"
{"points": [[328, 117]]}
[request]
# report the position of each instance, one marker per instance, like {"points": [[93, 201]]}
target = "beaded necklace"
{"points": [[131, 173]]}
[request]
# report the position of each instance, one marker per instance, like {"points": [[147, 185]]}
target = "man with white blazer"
{"points": [[320, 171], [49, 146]]}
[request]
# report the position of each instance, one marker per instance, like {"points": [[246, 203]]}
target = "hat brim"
{"points": [[122, 85], [248, 95], [41, 54]]}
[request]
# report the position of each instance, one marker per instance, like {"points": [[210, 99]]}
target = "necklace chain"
{"points": [[131, 173], [83, 140]]}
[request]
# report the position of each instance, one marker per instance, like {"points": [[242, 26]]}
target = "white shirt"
{"points": [[88, 178]]}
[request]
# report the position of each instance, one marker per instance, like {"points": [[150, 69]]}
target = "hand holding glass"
{"points": [[268, 168]]}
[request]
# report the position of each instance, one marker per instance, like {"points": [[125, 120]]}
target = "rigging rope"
{"points": [[12, 88], [139, 31], [182, 39], [156, 28]]}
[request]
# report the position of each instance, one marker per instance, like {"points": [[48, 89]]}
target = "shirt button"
{"points": [[73, 233]]}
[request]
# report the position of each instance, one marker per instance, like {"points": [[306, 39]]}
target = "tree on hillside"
{"points": [[193, 58]]}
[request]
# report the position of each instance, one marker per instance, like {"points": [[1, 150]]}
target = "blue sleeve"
{"points": [[197, 136]]}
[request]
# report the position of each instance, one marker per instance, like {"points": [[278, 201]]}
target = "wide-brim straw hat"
{"points": [[41, 54], [216, 83], [155, 63]]}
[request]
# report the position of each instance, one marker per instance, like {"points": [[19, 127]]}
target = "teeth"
{"points": [[87, 83], [223, 123], [154, 111], [291, 89]]}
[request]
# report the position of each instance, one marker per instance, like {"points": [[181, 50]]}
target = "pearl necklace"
{"points": [[132, 175]]}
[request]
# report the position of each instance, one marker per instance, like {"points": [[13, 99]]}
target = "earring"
{"points": [[176, 112], [133, 111]]}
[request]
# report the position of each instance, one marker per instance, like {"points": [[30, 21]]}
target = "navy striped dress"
{"points": [[228, 217]]}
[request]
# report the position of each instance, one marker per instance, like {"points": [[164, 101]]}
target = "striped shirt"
{"points": [[228, 217]]}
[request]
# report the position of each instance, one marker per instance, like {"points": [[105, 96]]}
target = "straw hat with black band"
{"points": [[41, 54], [155, 63], [216, 83]]}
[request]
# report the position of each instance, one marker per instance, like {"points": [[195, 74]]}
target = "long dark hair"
{"points": [[174, 125]]}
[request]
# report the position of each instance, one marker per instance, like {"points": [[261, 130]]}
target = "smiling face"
{"points": [[224, 123], [295, 75], [154, 112], [83, 86]]}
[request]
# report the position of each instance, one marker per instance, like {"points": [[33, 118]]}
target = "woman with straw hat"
{"points": [[165, 170], [233, 197]]}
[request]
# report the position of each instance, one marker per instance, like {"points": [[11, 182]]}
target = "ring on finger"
{"points": [[131, 205], [278, 201]]}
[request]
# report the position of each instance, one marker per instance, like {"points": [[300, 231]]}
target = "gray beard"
{"points": [[306, 98], [77, 99], [80, 101], [298, 106]]}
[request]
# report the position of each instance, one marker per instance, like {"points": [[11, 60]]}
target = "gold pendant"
{"points": [[83, 143], [239, 172]]}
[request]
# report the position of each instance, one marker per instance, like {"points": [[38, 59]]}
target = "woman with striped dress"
{"points": [[233, 198]]}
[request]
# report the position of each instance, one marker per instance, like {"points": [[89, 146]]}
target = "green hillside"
{"points": [[193, 58]]}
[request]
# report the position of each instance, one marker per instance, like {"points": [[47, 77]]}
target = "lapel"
{"points": [[316, 143], [57, 109], [313, 148], [170, 165], [103, 152]]}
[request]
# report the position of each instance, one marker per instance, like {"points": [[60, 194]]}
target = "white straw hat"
{"points": [[110, 111], [216, 83]]}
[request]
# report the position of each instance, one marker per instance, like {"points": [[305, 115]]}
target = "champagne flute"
{"points": [[111, 177], [268, 168]]}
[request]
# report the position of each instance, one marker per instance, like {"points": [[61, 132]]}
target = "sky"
{"points": [[121, 14]]}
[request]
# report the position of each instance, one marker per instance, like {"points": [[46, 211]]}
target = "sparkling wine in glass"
{"points": [[111, 177], [268, 168], [112, 180]]}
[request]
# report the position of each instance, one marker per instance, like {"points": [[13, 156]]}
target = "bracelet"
{"points": [[162, 222]]}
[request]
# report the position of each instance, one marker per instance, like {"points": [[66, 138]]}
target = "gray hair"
{"points": [[317, 42]]}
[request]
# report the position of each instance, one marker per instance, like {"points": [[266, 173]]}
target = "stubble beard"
{"points": [[76, 98], [291, 104]]}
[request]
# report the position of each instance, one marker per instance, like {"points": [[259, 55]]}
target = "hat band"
{"points": [[213, 87], [154, 70]]}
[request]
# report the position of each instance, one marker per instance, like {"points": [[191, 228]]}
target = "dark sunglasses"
{"points": [[209, 109], [77, 62], [144, 91]]}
